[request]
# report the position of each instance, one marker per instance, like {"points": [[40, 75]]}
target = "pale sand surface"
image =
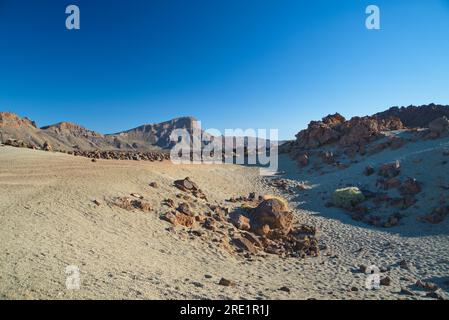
{"points": [[48, 221]]}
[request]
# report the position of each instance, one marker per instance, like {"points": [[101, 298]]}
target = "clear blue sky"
{"points": [[230, 63]]}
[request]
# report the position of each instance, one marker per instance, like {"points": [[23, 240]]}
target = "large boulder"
{"points": [[273, 213], [390, 170], [303, 159], [245, 244], [187, 185], [410, 187], [241, 222], [416, 116]]}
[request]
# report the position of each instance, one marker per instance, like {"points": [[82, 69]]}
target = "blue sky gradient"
{"points": [[234, 63]]}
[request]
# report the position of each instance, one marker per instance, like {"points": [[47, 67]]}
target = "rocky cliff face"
{"points": [[9, 119], [22, 130], [361, 130], [67, 136], [153, 134]]}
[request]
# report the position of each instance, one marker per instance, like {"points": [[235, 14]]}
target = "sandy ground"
{"points": [[48, 222]]}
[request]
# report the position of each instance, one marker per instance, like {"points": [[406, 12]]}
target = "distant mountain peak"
{"points": [[70, 128], [11, 119]]}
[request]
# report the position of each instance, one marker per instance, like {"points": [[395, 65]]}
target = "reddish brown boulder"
{"points": [[177, 218], [245, 244], [273, 213], [390, 170], [170, 217], [410, 187], [46, 146], [253, 239], [319, 133], [403, 203], [187, 185], [226, 283], [261, 230], [185, 209], [241, 222], [142, 205], [437, 215]]}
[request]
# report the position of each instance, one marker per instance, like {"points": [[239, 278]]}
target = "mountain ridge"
{"points": [[69, 136]]}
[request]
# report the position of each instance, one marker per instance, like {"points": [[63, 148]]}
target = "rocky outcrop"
{"points": [[362, 135], [355, 132], [320, 133], [437, 215], [416, 116], [261, 224], [128, 203], [9, 119]]}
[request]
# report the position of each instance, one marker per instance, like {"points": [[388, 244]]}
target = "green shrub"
{"points": [[347, 198]]}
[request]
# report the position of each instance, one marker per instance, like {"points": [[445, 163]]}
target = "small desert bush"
{"points": [[347, 198]]}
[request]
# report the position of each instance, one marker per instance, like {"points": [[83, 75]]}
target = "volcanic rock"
{"points": [[226, 283], [245, 244], [439, 126], [273, 213], [241, 222], [187, 185], [410, 187], [390, 170]]}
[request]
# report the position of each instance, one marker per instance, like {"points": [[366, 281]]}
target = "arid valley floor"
{"points": [[55, 211]]}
